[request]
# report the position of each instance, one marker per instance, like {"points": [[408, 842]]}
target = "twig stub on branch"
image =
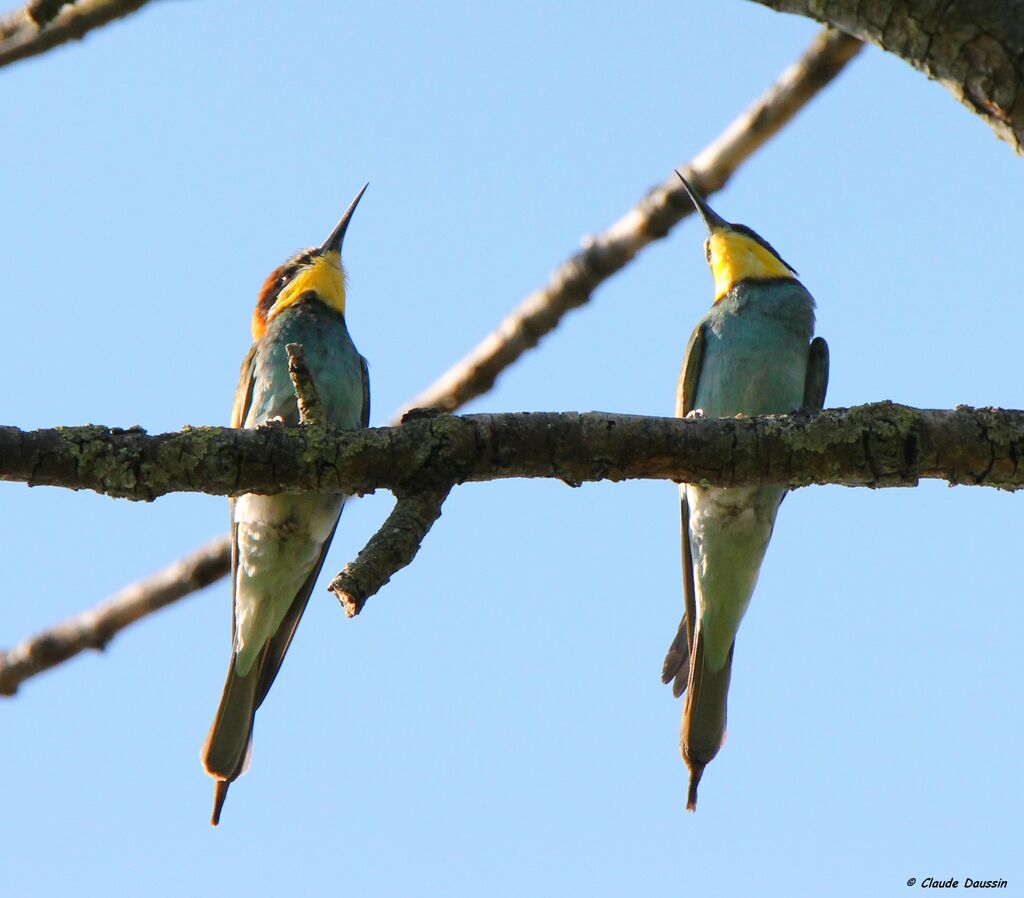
{"points": [[311, 412], [390, 549]]}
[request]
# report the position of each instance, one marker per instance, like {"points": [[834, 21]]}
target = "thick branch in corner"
{"points": [[311, 412], [21, 36], [390, 549], [94, 628], [975, 48], [571, 284]]}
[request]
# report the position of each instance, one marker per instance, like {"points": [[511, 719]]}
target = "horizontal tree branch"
{"points": [[877, 445], [94, 628], [41, 26], [975, 48], [573, 282]]}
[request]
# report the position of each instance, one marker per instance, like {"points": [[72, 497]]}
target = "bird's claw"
{"points": [[276, 421], [418, 414]]}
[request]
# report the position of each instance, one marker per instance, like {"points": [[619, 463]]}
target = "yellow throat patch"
{"points": [[323, 275], [735, 257]]}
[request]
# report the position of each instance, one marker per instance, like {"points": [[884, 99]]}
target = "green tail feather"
{"points": [[227, 746], [704, 716]]}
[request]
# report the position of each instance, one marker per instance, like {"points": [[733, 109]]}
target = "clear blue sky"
{"points": [[493, 724]]}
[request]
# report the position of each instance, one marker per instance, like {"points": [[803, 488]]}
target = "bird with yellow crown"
{"points": [[751, 354], [278, 543]]}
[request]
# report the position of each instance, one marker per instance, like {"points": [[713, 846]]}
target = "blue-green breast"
{"points": [[331, 357], [755, 350]]}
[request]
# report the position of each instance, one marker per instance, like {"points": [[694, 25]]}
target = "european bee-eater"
{"points": [[751, 354], [278, 543]]}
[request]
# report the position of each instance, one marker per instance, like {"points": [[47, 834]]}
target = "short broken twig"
{"points": [[311, 410], [390, 549]]}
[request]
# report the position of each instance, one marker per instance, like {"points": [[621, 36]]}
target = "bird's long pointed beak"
{"points": [[333, 243], [712, 220]]}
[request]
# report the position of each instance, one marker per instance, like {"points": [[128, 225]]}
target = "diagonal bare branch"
{"points": [[22, 34], [572, 283], [94, 628]]}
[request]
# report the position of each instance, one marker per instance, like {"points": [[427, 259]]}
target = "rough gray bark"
{"points": [[975, 48], [875, 445]]}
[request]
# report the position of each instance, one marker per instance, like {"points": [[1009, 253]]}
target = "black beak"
{"points": [[712, 219], [333, 243]]}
